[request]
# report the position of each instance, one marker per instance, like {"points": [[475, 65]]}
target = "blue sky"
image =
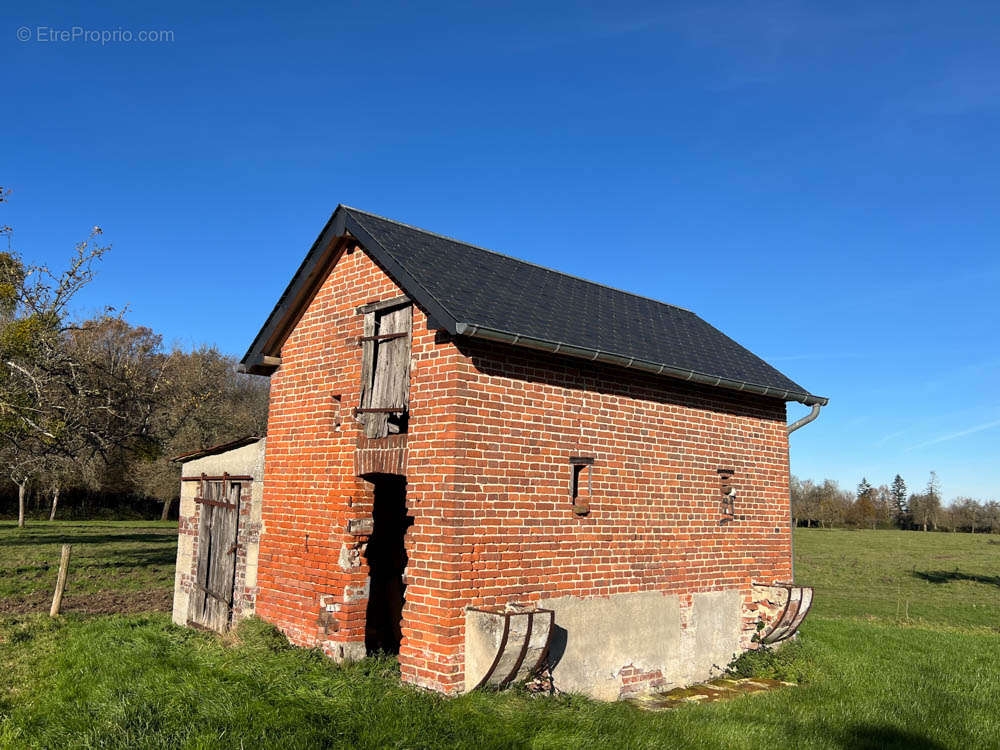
{"points": [[819, 181]]}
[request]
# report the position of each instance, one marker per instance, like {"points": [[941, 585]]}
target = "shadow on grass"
{"points": [[31, 540], [947, 576], [100, 559], [868, 737]]}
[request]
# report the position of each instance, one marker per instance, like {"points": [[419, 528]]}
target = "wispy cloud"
{"points": [[756, 41], [967, 89], [954, 435], [889, 437], [817, 355]]}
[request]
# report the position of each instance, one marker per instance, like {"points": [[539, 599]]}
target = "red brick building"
{"points": [[453, 432]]}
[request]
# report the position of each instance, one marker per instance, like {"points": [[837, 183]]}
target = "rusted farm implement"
{"points": [[517, 636], [798, 600]]}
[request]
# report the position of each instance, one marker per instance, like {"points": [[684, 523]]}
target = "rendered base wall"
{"points": [[628, 644]]}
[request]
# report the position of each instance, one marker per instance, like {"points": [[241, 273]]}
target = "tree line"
{"points": [[94, 408], [889, 506]]}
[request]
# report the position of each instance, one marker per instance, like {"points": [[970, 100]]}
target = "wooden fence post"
{"points": [[61, 580]]}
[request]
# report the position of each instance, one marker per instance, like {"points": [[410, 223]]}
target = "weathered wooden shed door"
{"points": [[212, 597]]}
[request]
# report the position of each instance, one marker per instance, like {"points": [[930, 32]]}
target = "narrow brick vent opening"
{"points": [[727, 504], [580, 487]]}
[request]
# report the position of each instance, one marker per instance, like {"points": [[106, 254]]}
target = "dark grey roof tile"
{"points": [[482, 288]]}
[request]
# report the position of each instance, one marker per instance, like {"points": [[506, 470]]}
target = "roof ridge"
{"points": [[518, 260]]}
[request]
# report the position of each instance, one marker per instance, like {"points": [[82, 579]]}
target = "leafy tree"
{"points": [[66, 396], [861, 512], [42, 413], [864, 512]]}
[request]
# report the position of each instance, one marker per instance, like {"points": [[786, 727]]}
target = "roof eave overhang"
{"points": [[293, 300], [656, 368], [215, 449], [340, 231]]}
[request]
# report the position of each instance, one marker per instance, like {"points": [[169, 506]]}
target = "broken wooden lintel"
{"points": [[360, 526], [384, 305]]}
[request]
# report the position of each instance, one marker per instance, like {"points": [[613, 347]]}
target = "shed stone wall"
{"points": [[247, 460]]}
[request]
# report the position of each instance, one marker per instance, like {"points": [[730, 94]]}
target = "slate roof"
{"points": [[476, 292]]}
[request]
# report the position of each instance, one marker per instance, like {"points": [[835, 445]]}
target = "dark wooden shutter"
{"points": [[385, 370]]}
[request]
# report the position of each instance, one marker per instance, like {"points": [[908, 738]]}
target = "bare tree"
{"points": [[20, 466], [57, 473], [65, 394], [205, 401]]}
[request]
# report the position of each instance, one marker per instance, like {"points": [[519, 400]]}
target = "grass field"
{"points": [[118, 566], [902, 650], [902, 577]]}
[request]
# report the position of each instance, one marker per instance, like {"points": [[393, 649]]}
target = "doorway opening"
{"points": [[386, 556]]}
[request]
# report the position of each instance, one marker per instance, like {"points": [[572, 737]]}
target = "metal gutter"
{"points": [[594, 355]]}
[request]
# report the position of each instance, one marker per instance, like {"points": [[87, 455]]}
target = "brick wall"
{"points": [[656, 521], [312, 575], [491, 432]]}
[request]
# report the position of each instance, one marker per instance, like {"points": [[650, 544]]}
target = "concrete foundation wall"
{"points": [[625, 644], [596, 639], [711, 638]]}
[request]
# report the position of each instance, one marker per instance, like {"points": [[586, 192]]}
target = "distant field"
{"points": [[116, 566], [902, 576], [870, 676]]}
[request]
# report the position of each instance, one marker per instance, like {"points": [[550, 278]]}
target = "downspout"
{"points": [[813, 413], [805, 420]]}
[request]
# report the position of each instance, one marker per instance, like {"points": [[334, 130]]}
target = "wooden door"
{"points": [[212, 595]]}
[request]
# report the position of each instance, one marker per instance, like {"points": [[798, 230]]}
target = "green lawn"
{"points": [[870, 678], [895, 576], [116, 565]]}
